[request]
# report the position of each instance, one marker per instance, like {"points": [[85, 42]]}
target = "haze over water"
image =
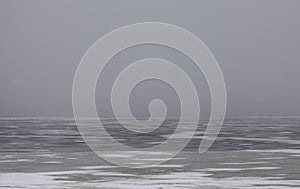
{"points": [[256, 44]]}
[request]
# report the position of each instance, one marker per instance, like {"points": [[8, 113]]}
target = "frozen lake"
{"points": [[256, 152]]}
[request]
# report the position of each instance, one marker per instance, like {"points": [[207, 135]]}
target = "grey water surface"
{"points": [[250, 152]]}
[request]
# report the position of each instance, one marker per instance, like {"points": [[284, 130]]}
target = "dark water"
{"points": [[256, 152]]}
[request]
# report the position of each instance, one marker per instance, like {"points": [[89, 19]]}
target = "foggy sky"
{"points": [[256, 43]]}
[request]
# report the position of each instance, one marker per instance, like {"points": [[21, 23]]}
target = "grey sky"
{"points": [[255, 42]]}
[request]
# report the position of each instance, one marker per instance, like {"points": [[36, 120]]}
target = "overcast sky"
{"points": [[256, 43]]}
